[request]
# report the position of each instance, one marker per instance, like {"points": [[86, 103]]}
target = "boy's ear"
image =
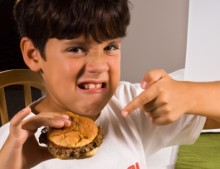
{"points": [[31, 55]]}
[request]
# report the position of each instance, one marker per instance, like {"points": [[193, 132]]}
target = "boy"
{"points": [[75, 45]]}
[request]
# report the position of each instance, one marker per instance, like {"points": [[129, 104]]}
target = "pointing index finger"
{"points": [[145, 97]]}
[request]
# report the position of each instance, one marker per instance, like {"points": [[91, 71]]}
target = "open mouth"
{"points": [[89, 86]]}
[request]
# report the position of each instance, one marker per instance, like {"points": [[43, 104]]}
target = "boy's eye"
{"points": [[111, 47], [75, 50]]}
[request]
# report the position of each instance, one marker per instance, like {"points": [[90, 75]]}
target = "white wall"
{"points": [[156, 37], [203, 49]]}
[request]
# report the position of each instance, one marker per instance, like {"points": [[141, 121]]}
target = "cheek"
{"points": [[117, 68], [115, 75], [115, 64], [56, 79]]}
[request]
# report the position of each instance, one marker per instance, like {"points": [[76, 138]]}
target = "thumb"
{"points": [[151, 77]]}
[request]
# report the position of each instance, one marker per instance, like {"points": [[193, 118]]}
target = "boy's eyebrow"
{"points": [[75, 41], [115, 40], [118, 40], [81, 41]]}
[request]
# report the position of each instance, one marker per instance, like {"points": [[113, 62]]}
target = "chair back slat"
{"points": [[27, 94], [3, 107], [24, 77]]}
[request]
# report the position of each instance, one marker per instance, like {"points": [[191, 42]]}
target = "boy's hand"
{"points": [[21, 129], [21, 145], [17, 134], [164, 100]]}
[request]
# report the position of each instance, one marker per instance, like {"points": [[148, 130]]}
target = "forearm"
{"points": [[11, 155], [205, 99]]}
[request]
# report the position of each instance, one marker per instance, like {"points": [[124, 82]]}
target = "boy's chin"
{"points": [[92, 109], [90, 114]]}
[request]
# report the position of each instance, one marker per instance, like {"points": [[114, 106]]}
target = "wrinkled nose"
{"points": [[97, 64]]}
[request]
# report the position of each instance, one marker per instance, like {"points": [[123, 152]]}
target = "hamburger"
{"points": [[80, 140]]}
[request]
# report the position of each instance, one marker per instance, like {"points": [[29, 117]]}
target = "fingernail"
{"points": [[124, 113], [66, 116], [143, 84], [68, 123]]}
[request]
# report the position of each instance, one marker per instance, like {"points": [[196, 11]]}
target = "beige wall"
{"points": [[156, 37]]}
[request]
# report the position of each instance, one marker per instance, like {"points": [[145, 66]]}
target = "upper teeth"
{"points": [[92, 86]]}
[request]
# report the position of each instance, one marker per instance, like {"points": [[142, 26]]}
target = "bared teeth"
{"points": [[99, 85], [92, 86]]}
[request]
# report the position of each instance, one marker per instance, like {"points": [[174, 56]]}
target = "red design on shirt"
{"points": [[136, 166]]}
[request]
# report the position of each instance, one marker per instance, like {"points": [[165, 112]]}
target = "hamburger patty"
{"points": [[78, 152]]}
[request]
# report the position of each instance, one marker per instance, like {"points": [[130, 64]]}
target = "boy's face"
{"points": [[80, 75]]}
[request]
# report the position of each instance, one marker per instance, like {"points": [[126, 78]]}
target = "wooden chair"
{"points": [[24, 77]]}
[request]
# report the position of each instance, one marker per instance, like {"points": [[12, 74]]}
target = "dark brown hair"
{"points": [[66, 19]]}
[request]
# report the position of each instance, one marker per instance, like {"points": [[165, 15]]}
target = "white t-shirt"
{"points": [[128, 142]]}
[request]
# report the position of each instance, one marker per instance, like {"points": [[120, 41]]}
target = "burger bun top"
{"points": [[82, 131]]}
